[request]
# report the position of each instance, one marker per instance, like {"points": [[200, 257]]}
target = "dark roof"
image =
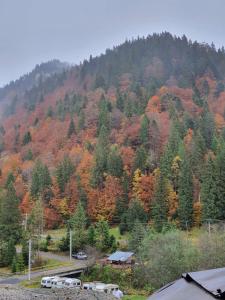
{"points": [[203, 285], [120, 256]]}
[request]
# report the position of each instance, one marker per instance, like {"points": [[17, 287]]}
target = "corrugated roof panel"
{"points": [[181, 290], [211, 280], [120, 256]]}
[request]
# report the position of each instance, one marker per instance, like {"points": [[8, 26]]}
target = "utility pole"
{"points": [[25, 224], [29, 259], [70, 244], [209, 227]]}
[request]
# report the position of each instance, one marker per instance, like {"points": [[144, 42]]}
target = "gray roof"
{"points": [[203, 285], [120, 256]]}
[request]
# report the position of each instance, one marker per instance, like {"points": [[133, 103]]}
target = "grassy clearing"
{"points": [[32, 284], [134, 297], [56, 233]]}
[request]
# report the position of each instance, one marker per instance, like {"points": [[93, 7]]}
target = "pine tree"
{"points": [[115, 163], [120, 101], [101, 157], [36, 219], [14, 265], [198, 152], [71, 129], [171, 151], [91, 239], [207, 127], [185, 193], [10, 179], [64, 171], [81, 121], [136, 236], [41, 179], [144, 131], [121, 208], [27, 138], [78, 225], [10, 219], [102, 235], [135, 212], [140, 160], [25, 251], [220, 181], [20, 267], [11, 251], [103, 117], [160, 203]]}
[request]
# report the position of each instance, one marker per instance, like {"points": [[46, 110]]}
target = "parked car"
{"points": [[72, 283], [46, 282], [80, 255]]}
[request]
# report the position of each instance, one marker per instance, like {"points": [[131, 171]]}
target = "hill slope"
{"points": [[108, 128]]}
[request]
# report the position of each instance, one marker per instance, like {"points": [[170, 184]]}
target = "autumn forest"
{"points": [[137, 133]]}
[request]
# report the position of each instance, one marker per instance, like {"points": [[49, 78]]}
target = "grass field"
{"points": [[134, 297]]}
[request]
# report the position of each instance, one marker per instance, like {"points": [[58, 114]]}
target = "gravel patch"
{"points": [[12, 293]]}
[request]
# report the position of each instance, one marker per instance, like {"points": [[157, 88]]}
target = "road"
{"points": [[75, 265]]}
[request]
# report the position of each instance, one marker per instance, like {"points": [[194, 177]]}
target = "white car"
{"points": [[80, 255], [46, 282], [72, 283], [58, 283]]}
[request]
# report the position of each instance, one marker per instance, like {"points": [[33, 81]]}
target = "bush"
{"points": [[163, 258]]}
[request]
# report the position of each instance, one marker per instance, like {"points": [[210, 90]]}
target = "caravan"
{"points": [[72, 283], [46, 282]]}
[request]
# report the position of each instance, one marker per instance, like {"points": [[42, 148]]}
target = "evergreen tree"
{"points": [[78, 226], [71, 129], [49, 112], [36, 224], [136, 236], [120, 101], [160, 203], [210, 209], [81, 121], [103, 117], [25, 251], [91, 239], [115, 163], [41, 179], [140, 160], [207, 127], [101, 156], [10, 220], [121, 208], [198, 152], [20, 267], [113, 244], [14, 265], [64, 171], [27, 138], [10, 179], [11, 251], [220, 181], [170, 152], [185, 193], [102, 235], [144, 131], [135, 212]]}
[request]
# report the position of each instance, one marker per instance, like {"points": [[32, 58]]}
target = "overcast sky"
{"points": [[34, 31]]}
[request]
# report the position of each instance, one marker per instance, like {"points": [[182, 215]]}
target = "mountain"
{"points": [[41, 74], [142, 121]]}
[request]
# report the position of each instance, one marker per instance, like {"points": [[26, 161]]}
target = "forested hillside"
{"points": [[134, 134]]}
